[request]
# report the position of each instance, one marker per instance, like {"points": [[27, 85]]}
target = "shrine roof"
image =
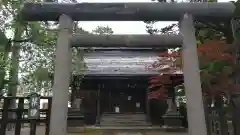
{"points": [[122, 76], [125, 49], [120, 63]]}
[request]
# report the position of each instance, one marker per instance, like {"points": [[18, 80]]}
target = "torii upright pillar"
{"points": [[192, 82], [63, 62]]}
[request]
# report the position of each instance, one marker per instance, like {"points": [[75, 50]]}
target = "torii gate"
{"points": [[185, 13]]}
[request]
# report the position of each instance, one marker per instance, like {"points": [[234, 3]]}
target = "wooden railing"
{"points": [[17, 116]]}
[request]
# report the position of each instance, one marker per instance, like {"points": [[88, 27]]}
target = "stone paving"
{"points": [[41, 131]]}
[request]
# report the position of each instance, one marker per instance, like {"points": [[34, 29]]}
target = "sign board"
{"points": [[129, 97], [34, 106], [137, 104], [117, 109]]}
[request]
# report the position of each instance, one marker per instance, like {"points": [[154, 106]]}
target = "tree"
{"points": [[4, 52], [211, 37], [35, 41], [217, 68], [217, 65], [204, 32], [102, 30]]}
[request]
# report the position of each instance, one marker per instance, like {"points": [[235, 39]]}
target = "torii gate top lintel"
{"points": [[127, 11]]}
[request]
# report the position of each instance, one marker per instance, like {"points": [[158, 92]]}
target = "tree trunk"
{"points": [[15, 63], [2, 69], [13, 78]]}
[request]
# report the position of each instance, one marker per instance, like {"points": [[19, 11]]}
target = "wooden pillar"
{"points": [[147, 105], [98, 105], [110, 101], [73, 94], [192, 82], [59, 110]]}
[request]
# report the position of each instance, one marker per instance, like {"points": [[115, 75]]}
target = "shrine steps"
{"points": [[123, 119]]}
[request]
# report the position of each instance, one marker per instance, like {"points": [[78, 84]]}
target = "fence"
{"points": [[18, 115], [219, 125]]}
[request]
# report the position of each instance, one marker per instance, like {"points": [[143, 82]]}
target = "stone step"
{"points": [[123, 114], [120, 120], [124, 120], [120, 114], [125, 124], [126, 116], [75, 113], [105, 118], [132, 119]]}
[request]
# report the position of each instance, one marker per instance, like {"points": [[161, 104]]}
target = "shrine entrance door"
{"points": [[125, 102]]}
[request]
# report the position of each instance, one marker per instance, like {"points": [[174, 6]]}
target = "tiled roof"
{"points": [[117, 62]]}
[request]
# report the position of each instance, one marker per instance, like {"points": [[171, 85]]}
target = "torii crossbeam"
{"points": [[134, 41], [127, 11]]}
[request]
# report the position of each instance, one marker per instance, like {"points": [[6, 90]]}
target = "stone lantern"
{"points": [[172, 118]]}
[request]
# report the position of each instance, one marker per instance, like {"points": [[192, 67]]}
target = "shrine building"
{"points": [[114, 90]]}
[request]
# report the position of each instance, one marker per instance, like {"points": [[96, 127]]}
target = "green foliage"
{"points": [[4, 51], [33, 50], [204, 32], [237, 9], [103, 30]]}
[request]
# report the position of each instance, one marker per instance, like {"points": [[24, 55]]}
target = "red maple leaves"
{"points": [[156, 95], [159, 85], [217, 64]]}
